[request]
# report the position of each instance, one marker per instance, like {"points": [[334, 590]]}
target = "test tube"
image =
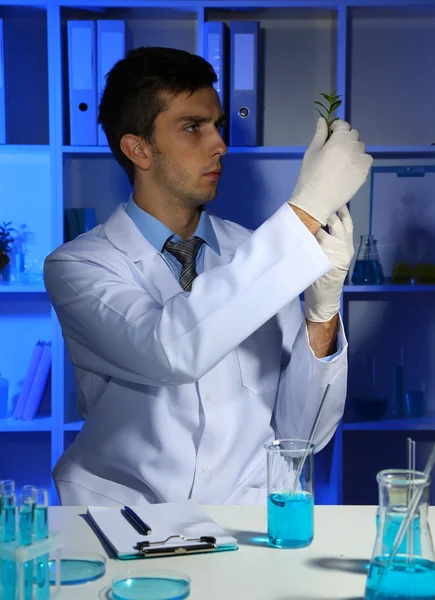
{"points": [[28, 494], [9, 510], [26, 508], [41, 533], [2, 514], [9, 570]]}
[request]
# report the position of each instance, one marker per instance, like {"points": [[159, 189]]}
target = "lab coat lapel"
{"points": [[124, 235], [160, 280]]}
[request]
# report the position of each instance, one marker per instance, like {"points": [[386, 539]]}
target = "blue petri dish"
{"points": [[78, 567], [140, 584]]}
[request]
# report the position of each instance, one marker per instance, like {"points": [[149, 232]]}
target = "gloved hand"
{"points": [[332, 171], [322, 298]]}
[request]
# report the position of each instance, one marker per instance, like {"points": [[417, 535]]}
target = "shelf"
{"points": [[74, 426], [19, 148], [37, 424], [388, 288], [86, 150], [401, 151], [22, 288], [295, 151], [423, 424]]}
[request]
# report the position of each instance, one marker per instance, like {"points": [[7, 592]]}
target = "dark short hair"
{"points": [[133, 95]]}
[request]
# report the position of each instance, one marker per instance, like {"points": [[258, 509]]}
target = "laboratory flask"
{"points": [[410, 575], [368, 268]]}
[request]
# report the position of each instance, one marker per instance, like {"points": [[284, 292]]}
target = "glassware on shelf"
{"points": [[415, 401], [368, 268], [368, 406], [411, 573], [402, 274]]}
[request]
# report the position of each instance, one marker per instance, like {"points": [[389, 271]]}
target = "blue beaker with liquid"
{"points": [[368, 268], [410, 575], [290, 499]]}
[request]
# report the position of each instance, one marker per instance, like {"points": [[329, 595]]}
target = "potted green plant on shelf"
{"points": [[22, 238], [6, 240]]}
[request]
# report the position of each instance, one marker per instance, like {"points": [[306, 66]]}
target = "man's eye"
{"points": [[192, 128]]}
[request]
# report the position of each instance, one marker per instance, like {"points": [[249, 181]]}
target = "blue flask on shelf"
{"points": [[368, 268], [4, 397]]}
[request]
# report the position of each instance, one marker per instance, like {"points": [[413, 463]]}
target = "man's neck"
{"points": [[179, 219]]}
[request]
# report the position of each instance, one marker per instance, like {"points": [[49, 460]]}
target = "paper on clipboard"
{"points": [[185, 519]]}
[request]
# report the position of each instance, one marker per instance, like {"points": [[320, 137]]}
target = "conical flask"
{"points": [[368, 268], [411, 574]]}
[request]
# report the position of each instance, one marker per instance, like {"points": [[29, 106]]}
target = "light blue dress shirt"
{"points": [[157, 234]]}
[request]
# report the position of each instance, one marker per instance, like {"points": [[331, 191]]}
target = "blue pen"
{"points": [[136, 521]]}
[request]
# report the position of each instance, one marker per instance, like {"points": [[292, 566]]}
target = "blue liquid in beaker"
{"points": [[290, 519], [393, 521], [404, 580], [367, 272]]}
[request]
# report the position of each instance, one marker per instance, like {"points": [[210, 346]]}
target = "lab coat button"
{"points": [[205, 470], [208, 397]]}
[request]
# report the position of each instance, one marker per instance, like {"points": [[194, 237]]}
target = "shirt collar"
{"points": [[157, 233]]}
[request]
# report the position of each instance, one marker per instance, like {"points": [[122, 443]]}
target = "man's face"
{"points": [[188, 148]]}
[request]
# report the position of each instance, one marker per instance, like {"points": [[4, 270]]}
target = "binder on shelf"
{"points": [[216, 53], [39, 383], [2, 86], [86, 219], [244, 83], [28, 380], [71, 224], [113, 40], [82, 80]]}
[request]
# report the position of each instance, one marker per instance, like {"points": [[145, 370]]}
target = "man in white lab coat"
{"points": [[186, 332]]}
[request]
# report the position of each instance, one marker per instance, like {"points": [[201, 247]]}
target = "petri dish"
{"points": [[141, 584], [77, 567]]}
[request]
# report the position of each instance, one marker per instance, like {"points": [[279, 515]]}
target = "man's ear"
{"points": [[137, 150]]}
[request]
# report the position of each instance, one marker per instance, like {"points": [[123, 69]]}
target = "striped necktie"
{"points": [[185, 251]]}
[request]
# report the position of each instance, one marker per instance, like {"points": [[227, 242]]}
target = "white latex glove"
{"points": [[332, 171], [322, 298]]}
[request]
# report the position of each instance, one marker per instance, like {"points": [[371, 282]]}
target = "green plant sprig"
{"points": [[333, 103]]}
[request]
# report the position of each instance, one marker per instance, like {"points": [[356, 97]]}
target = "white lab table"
{"points": [[332, 568]]}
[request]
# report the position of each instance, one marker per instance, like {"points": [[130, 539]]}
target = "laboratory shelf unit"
{"points": [[410, 425], [389, 288], [376, 53], [36, 424], [21, 288], [74, 426]]}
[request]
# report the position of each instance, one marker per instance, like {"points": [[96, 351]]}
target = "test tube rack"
{"points": [[12, 551]]}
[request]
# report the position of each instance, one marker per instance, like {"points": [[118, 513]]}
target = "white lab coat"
{"points": [[180, 390]]}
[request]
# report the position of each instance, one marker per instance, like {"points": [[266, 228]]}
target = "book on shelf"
{"points": [[35, 382], [79, 220]]}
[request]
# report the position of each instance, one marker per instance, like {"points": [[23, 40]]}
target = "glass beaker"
{"points": [[368, 268], [290, 506], [368, 405], [411, 575]]}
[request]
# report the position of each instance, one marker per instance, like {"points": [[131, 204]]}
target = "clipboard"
{"points": [[191, 546], [178, 529]]}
